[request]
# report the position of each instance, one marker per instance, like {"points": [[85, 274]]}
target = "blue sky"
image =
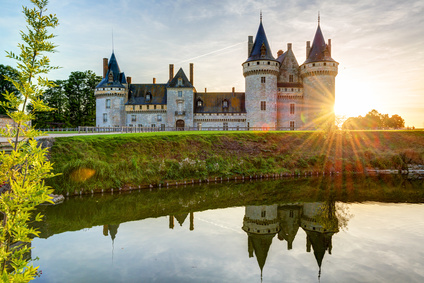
{"points": [[379, 44]]}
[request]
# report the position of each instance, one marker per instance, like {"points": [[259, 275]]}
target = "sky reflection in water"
{"points": [[382, 243]]}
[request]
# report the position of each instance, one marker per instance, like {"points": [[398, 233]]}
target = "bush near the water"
{"points": [[131, 160]]}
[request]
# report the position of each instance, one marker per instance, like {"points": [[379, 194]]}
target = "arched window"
{"points": [[180, 81], [199, 103], [110, 77], [225, 103]]}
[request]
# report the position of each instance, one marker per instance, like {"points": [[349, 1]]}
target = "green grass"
{"points": [[122, 160]]}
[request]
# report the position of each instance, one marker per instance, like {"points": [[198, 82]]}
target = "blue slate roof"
{"points": [[319, 50], [118, 77], [180, 75], [261, 43], [137, 94]]}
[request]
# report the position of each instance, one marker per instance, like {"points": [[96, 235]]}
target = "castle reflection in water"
{"points": [[262, 223]]}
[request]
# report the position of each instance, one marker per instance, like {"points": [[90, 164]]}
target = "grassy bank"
{"points": [[120, 161]]}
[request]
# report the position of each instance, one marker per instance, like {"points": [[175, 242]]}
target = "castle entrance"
{"points": [[180, 125]]}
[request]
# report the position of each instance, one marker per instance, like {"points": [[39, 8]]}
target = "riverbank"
{"points": [[120, 162]]}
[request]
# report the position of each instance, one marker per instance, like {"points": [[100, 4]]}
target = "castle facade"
{"points": [[279, 94]]}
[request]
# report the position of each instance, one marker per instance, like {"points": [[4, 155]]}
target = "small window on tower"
{"points": [[292, 109], [133, 118], [290, 78], [107, 103], [180, 94], [263, 80], [104, 117], [263, 105]]}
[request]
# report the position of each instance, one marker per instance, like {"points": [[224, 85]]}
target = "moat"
{"points": [[354, 229]]}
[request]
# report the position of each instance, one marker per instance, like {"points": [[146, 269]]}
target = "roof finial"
{"points": [[318, 18], [261, 16], [113, 47]]}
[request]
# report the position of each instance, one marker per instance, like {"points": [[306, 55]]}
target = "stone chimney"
{"points": [[329, 46], [234, 90], [249, 45], [289, 46], [308, 48], [154, 80], [171, 72], [191, 73], [205, 90], [128, 80], [105, 63]]}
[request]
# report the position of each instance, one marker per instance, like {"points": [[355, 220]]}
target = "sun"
{"points": [[353, 98]]}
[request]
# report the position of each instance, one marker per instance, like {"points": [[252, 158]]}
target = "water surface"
{"points": [[297, 230]]}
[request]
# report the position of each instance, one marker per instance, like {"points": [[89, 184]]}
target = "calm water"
{"points": [[283, 231]]}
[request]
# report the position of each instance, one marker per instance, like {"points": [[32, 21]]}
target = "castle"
{"points": [[279, 94]]}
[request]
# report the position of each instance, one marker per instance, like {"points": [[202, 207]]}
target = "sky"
{"points": [[378, 44]]}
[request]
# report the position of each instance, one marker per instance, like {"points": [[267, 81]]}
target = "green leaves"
{"points": [[24, 170]]}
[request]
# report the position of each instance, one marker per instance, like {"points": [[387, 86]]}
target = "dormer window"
{"points": [[180, 81], [148, 97], [225, 103], [263, 50], [110, 77], [199, 103]]}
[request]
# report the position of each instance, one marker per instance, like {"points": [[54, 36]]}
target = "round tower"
{"points": [[111, 95], [319, 73], [260, 71]]}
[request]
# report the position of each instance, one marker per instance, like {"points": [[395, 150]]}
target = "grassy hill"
{"points": [[131, 160]]}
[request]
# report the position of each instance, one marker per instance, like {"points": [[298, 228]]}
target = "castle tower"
{"points": [[180, 93], [260, 71], [319, 72], [111, 94]]}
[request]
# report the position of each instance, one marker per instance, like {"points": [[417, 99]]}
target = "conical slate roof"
{"points": [[118, 77], [319, 50], [260, 49]]}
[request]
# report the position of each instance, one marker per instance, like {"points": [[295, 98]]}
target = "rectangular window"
{"points": [[140, 125], [154, 106], [263, 105], [292, 109], [291, 125], [263, 80], [130, 125], [159, 118], [107, 103], [147, 107], [133, 107], [180, 93], [153, 125], [133, 118], [225, 126], [104, 117], [290, 78], [162, 127], [263, 214]]}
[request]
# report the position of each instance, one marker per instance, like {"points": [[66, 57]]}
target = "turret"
{"points": [[260, 71], [111, 95], [319, 72]]}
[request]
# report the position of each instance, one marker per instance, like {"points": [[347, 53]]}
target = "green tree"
{"points": [[26, 167], [81, 104], [5, 85], [396, 122]]}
